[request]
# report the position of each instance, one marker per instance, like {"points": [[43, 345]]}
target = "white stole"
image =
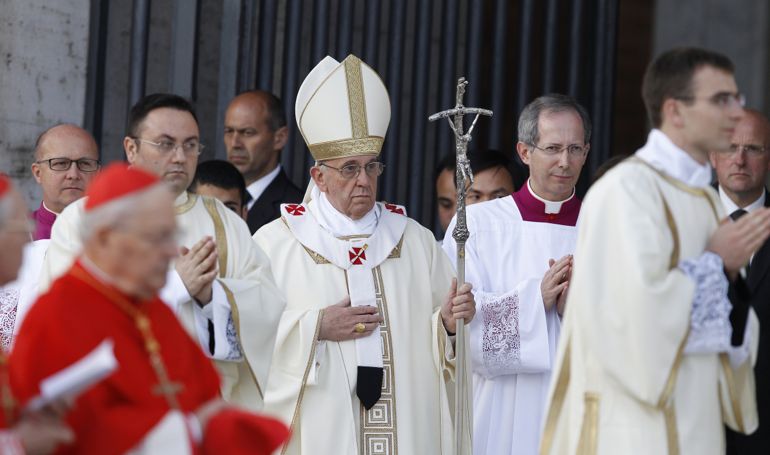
{"points": [[357, 256]]}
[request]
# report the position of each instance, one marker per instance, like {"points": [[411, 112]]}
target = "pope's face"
{"points": [[14, 234], [553, 176], [352, 197], [144, 245], [742, 168], [164, 124]]}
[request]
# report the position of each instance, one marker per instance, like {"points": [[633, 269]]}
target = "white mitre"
{"points": [[342, 109]]}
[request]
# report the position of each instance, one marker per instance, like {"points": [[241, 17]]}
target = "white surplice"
{"points": [[625, 381], [513, 337], [246, 304], [312, 384]]}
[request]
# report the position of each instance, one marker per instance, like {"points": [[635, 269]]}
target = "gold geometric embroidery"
{"points": [[356, 101], [379, 429]]}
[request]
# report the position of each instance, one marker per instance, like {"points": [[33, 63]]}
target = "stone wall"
{"points": [[44, 51]]}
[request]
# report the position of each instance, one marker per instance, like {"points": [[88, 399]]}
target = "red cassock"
{"points": [[114, 416]]}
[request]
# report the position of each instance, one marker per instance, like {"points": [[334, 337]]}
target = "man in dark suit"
{"points": [[255, 134], [741, 174]]}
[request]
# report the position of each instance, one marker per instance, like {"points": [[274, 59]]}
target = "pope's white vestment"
{"points": [[513, 337], [245, 307], [313, 383], [625, 381]]}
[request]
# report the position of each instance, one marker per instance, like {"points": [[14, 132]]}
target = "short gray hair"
{"points": [[553, 102], [115, 213]]}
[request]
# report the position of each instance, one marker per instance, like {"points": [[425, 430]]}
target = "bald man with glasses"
{"points": [[66, 159]]}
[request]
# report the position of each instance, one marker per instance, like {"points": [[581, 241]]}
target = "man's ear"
{"points": [[319, 177], [524, 152], [36, 172], [671, 112], [130, 147], [280, 137], [713, 160]]}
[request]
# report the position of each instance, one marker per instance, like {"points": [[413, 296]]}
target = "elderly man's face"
{"points": [[143, 245], [742, 168], [353, 197], [553, 175], [14, 234], [166, 125], [62, 146]]}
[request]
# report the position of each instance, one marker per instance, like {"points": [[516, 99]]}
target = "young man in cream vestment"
{"points": [[364, 360], [221, 283], [653, 356]]}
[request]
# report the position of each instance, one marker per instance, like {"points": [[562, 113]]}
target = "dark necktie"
{"points": [[369, 385], [737, 214]]}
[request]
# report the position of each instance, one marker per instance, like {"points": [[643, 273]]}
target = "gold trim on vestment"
{"points": [[310, 360], [734, 400], [237, 321], [557, 402], [674, 260], [356, 100], [184, 208], [378, 427], [672, 434], [343, 148], [396, 253], [589, 431], [701, 192], [219, 234]]}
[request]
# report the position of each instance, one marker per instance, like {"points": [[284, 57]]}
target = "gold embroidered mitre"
{"points": [[342, 109]]}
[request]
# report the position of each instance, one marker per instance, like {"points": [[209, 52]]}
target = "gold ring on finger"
{"points": [[359, 327]]}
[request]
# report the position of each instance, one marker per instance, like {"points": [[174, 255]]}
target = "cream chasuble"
{"points": [[312, 384], [246, 304], [622, 383], [513, 338]]}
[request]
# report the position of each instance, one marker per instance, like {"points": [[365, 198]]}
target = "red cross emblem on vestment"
{"points": [[394, 208], [357, 255], [295, 209]]}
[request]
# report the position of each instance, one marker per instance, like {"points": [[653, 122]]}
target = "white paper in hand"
{"points": [[74, 379]]}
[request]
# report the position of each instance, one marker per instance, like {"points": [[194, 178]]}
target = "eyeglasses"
{"points": [[64, 164], [351, 171], [752, 150], [190, 148], [722, 100], [574, 150]]}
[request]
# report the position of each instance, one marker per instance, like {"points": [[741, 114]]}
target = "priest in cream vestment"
{"points": [[237, 325], [364, 360], [654, 358]]}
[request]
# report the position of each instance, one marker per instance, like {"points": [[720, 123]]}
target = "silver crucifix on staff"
{"points": [[460, 234]]}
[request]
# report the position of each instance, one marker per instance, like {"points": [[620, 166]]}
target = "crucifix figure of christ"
{"points": [[464, 174]]}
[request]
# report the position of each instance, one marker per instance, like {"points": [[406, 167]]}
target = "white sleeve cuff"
{"points": [[740, 354], [218, 313], [174, 293]]}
